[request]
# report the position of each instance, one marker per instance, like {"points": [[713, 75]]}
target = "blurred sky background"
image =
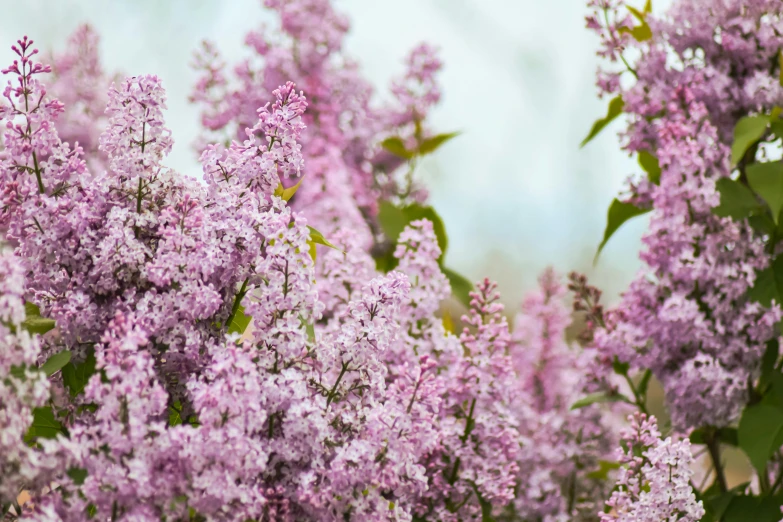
{"points": [[515, 190]]}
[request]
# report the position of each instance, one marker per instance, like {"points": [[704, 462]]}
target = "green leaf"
{"points": [[31, 310], [34, 323], [430, 145], [760, 433], [56, 362], [239, 322], [78, 475], [650, 164], [697, 436], [644, 383], [615, 108], [780, 67], [766, 179], [396, 146], [44, 425], [736, 200], [599, 397], [745, 508], [619, 212], [448, 322], [386, 262], [775, 123], [392, 220], [773, 393], [604, 467], [620, 368], [38, 325], [287, 193], [763, 224], [76, 376], [716, 506], [648, 7], [728, 436], [768, 362], [769, 284], [724, 435], [748, 131], [19, 372], [460, 286], [641, 16], [640, 33], [318, 238], [175, 414]]}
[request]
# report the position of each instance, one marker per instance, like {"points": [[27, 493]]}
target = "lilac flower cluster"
{"points": [[22, 387], [348, 171], [654, 482], [561, 446], [81, 84], [212, 370], [687, 316], [210, 362]]}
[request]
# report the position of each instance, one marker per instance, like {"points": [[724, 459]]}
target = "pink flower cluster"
{"points": [[227, 348], [211, 369], [687, 316], [348, 171], [654, 482]]}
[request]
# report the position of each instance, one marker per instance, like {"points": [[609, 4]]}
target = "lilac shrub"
{"points": [[269, 342], [701, 88], [207, 363]]}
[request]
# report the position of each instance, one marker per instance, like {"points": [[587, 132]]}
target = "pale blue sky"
{"points": [[514, 189]]}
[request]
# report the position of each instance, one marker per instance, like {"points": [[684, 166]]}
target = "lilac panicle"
{"points": [[348, 170], [81, 84], [22, 386], [654, 482], [560, 446], [687, 316]]}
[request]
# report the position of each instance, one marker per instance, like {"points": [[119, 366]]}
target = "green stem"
{"points": [[454, 470], [237, 301], [333, 391], [138, 197], [413, 397], [41, 188], [38, 225], [713, 446], [271, 425], [469, 423], [622, 58], [639, 400]]}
